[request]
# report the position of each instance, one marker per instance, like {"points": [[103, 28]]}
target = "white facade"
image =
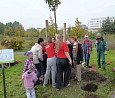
{"points": [[96, 23]]}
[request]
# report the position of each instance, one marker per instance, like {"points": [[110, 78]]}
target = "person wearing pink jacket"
{"points": [[29, 78]]}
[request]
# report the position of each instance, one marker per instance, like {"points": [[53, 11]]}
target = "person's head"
{"points": [[45, 42], [86, 36], [53, 39], [49, 40], [31, 68], [29, 54], [41, 41], [99, 35], [59, 37], [73, 39], [59, 40], [68, 42]]}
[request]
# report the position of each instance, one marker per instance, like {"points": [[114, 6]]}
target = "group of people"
{"points": [[59, 57]]}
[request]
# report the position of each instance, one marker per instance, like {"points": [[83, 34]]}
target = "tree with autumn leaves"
{"points": [[77, 30]]}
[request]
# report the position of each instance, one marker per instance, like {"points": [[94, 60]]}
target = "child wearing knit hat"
{"points": [[29, 78], [28, 61]]}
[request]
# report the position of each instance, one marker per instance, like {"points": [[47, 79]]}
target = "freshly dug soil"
{"points": [[93, 76], [91, 96], [89, 87]]}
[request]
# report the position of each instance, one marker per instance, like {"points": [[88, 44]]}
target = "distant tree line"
{"points": [[108, 26], [16, 29]]}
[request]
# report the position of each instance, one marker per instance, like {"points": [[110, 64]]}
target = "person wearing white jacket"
{"points": [[38, 56]]}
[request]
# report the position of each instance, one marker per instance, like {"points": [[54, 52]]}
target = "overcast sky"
{"points": [[33, 13]]}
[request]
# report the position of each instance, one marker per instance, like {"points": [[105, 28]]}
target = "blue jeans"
{"points": [[86, 55], [87, 58], [51, 67]]}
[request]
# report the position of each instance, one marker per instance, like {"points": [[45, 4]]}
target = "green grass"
{"points": [[15, 87]]}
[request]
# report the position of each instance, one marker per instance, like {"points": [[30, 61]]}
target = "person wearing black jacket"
{"points": [[77, 52]]}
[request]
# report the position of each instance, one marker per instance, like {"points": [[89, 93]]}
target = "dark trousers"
{"points": [[63, 66], [39, 68], [101, 56]]}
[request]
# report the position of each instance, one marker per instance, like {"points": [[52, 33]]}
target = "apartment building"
{"points": [[95, 24]]}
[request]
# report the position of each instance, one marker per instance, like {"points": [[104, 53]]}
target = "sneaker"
{"points": [[44, 85], [57, 89], [54, 86], [83, 64], [74, 79], [68, 85]]}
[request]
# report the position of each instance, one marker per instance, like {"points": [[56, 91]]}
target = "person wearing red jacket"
{"points": [[64, 62], [51, 63]]}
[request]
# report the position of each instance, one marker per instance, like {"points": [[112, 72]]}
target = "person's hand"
{"points": [[70, 62], [81, 62], [90, 52]]}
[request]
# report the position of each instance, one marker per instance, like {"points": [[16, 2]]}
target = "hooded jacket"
{"points": [[37, 53], [29, 78], [101, 45]]}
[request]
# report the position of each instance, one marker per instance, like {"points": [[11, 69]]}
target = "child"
{"points": [[29, 61], [29, 78]]}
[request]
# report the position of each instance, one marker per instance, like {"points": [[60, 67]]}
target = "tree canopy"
{"points": [[77, 30], [53, 4], [2, 26], [108, 26]]}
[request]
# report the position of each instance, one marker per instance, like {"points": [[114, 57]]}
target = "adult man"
{"points": [[87, 46], [101, 48], [38, 56]]}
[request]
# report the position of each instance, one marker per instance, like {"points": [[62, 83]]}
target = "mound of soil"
{"points": [[93, 76], [89, 87], [91, 96]]}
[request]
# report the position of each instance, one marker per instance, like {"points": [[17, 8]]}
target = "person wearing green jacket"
{"points": [[101, 48]]}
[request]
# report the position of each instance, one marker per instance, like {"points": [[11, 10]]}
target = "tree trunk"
{"points": [[55, 20], [46, 22]]}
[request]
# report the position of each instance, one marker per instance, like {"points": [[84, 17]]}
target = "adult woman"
{"points": [[63, 62], [51, 63], [77, 58]]}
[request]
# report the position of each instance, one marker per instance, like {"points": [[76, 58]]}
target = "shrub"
{"points": [[13, 42]]}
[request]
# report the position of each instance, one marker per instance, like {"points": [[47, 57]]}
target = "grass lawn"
{"points": [[15, 87]]}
